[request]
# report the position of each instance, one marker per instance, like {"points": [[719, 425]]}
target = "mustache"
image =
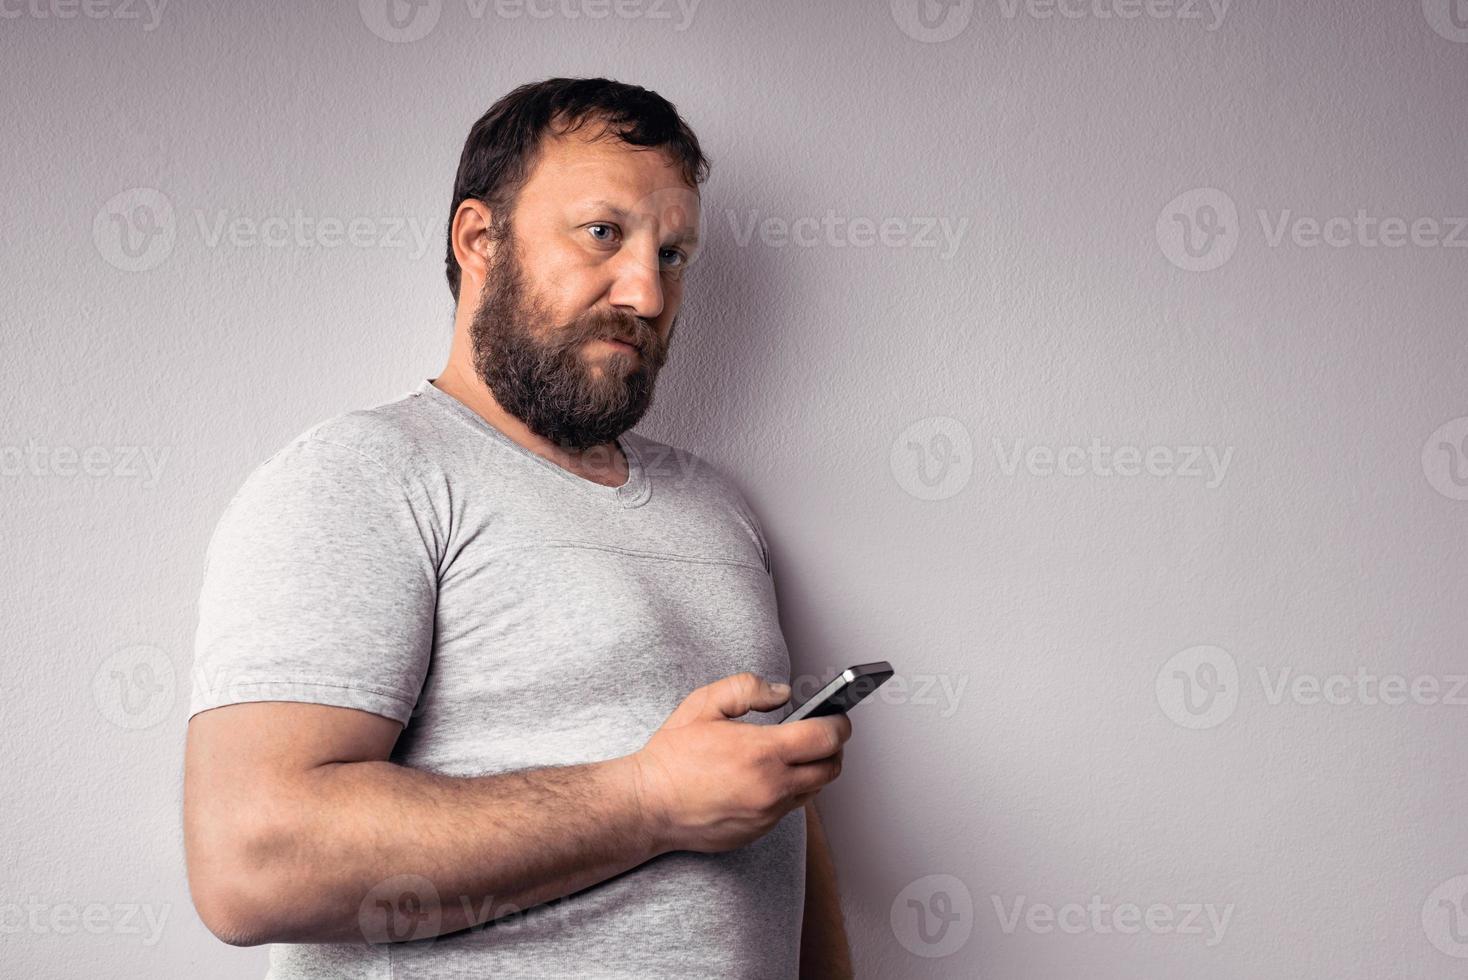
{"points": [[618, 326]]}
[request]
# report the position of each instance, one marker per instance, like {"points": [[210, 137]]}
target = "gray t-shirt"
{"points": [[413, 561]]}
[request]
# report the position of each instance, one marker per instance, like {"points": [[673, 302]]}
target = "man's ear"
{"points": [[473, 246]]}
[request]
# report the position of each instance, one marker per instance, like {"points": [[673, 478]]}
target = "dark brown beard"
{"points": [[539, 372]]}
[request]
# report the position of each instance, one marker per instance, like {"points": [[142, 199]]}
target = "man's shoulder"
{"points": [[391, 433], [396, 437]]}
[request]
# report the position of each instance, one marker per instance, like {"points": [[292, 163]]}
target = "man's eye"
{"points": [[611, 231], [673, 258]]}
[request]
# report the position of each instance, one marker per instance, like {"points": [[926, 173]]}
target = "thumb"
{"points": [[737, 694]]}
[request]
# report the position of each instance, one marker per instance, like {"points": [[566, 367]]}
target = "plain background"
{"points": [[885, 397]]}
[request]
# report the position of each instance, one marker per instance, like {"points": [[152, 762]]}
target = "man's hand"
{"points": [[709, 783]]}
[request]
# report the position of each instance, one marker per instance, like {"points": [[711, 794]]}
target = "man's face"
{"points": [[596, 250]]}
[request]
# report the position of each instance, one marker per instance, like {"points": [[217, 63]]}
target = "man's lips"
{"points": [[622, 345]]}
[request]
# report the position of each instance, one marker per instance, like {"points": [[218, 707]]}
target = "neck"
{"points": [[602, 463]]}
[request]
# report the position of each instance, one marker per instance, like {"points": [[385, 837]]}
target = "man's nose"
{"points": [[638, 288]]}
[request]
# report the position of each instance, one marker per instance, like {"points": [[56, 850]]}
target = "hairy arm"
{"points": [[297, 830]]}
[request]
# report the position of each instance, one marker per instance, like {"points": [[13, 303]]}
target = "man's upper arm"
{"points": [[315, 631], [237, 751], [239, 763]]}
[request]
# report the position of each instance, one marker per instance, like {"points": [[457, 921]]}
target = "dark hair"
{"points": [[503, 145]]}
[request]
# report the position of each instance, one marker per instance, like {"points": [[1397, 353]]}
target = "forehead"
{"points": [[578, 168]]}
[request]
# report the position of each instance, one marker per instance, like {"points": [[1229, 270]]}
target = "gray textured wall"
{"points": [[1100, 364]]}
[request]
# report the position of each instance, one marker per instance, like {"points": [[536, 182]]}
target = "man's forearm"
{"points": [[487, 845]]}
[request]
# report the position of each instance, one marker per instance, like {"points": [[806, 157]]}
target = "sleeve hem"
{"points": [[390, 704]]}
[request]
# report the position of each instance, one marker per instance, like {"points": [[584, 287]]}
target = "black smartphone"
{"points": [[843, 691]]}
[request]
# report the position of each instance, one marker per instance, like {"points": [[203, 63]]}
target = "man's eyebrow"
{"points": [[602, 206], [617, 212]]}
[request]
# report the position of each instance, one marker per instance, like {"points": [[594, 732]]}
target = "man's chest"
{"points": [[560, 651]]}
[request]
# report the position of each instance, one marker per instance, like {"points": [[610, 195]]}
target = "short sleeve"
{"points": [[747, 513], [320, 585], [764, 546]]}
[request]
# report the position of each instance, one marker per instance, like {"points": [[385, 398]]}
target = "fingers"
{"points": [[809, 778], [737, 694], [810, 739]]}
